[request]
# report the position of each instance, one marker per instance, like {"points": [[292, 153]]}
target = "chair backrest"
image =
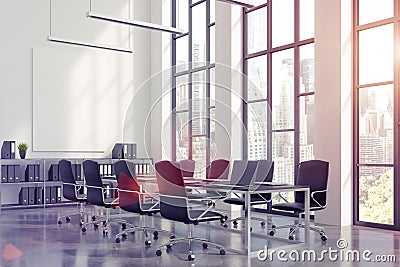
{"points": [[264, 171], [243, 172], [91, 170], [218, 169], [313, 173], [187, 167], [173, 205], [128, 201], [68, 180]]}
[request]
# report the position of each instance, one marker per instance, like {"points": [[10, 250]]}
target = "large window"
{"points": [[376, 84], [193, 96], [279, 90]]}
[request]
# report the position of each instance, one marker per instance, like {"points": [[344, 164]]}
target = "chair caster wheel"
{"points": [[324, 237], [124, 235], [262, 223], [205, 245], [67, 219], [96, 225], [81, 223], [291, 237], [169, 246], [123, 226], [118, 240], [191, 257], [83, 229], [222, 252], [222, 220], [272, 232], [147, 243], [155, 233], [273, 226], [235, 223], [59, 222], [93, 218], [225, 225], [105, 232], [158, 252], [172, 237]]}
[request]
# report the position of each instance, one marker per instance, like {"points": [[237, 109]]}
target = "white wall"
{"points": [[25, 26], [333, 106]]}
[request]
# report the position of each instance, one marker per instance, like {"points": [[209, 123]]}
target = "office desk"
{"points": [[258, 189]]}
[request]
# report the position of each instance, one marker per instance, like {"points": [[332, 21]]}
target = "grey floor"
{"points": [[31, 237]]}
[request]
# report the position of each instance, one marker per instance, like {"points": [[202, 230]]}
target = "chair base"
{"points": [[104, 220], [144, 229], [263, 222], [81, 214], [294, 228], [189, 239]]}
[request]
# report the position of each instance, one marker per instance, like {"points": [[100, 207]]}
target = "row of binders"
{"points": [[54, 172], [39, 195], [12, 173]]}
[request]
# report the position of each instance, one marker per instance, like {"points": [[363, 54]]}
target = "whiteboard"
{"points": [[80, 97]]}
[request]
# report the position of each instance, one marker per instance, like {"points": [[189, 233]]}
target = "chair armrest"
{"points": [[317, 192], [282, 197], [76, 186], [263, 199]]}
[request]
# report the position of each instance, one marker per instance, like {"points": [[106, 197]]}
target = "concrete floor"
{"points": [[32, 237]]}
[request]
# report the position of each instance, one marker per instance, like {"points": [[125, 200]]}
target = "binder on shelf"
{"points": [[78, 172], [17, 173], [53, 194], [8, 150], [39, 195], [4, 173], [101, 170], [31, 195], [131, 151], [30, 173], [109, 169], [58, 199], [11, 173], [53, 172], [23, 196], [47, 196], [117, 151], [38, 178]]}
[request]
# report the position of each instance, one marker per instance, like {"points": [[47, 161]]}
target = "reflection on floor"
{"points": [[31, 237]]}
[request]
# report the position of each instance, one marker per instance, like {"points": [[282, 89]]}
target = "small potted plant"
{"points": [[22, 148]]}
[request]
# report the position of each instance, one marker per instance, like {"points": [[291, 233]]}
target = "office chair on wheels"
{"points": [[133, 199], [174, 205], [71, 191], [312, 173], [263, 174], [97, 195]]}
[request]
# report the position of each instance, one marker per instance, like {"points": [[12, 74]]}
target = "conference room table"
{"points": [[248, 191]]}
